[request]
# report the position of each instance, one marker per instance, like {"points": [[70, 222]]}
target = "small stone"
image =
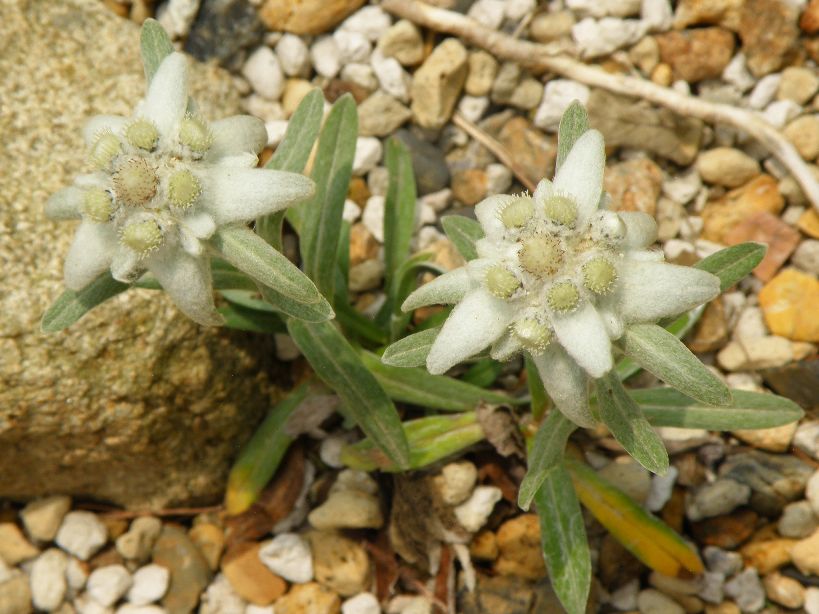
{"points": [[136, 543], [473, 108], [812, 600], [456, 482], [711, 589], [519, 548], [645, 54], [625, 598], [746, 589], [809, 22], [210, 540], [722, 561], [651, 601], [311, 597], [469, 186], [428, 162], [178, 16], [696, 55], [764, 91], [546, 27], [634, 185], [798, 83], [263, 72], [249, 577], [597, 38], [784, 590], [371, 21], [736, 73], [807, 438], [15, 594], [402, 41], [717, 498], [294, 55], [363, 603], [42, 517], [809, 223], [324, 54], [797, 520], [769, 32], [532, 151], [727, 167], [711, 332], [381, 115], [392, 78], [189, 570], [220, 598], [481, 74], [14, 547], [661, 489], [789, 301], [473, 513], [498, 179], [48, 584], [222, 31], [775, 439], [766, 228], [721, 215], [437, 84], [373, 219], [150, 583], [361, 75], [725, 13], [629, 476], [288, 555], [781, 112], [81, 534], [339, 563], [806, 256], [758, 353], [368, 151], [305, 16], [107, 585], [803, 132], [488, 13], [352, 46], [767, 556], [484, 546]]}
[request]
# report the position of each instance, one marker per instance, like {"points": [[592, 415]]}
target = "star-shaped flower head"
{"points": [[560, 277], [165, 179]]}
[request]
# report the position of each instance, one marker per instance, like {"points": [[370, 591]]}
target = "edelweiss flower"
{"points": [[165, 180], [560, 278]]}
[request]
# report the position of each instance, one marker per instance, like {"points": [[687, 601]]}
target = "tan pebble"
{"points": [[727, 167], [210, 539], [805, 554], [722, 215], [766, 556], [519, 549], [784, 590], [305, 16], [249, 577], [294, 91], [14, 547], [339, 563], [790, 302], [726, 607], [437, 84], [310, 598], [775, 439], [484, 546], [803, 132], [662, 74]]}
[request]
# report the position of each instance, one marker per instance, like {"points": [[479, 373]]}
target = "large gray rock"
{"points": [[134, 404]]}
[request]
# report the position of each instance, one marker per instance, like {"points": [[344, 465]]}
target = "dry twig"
{"points": [[543, 58]]}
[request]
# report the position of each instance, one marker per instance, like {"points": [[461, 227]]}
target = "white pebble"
{"points": [[488, 13], [781, 112], [81, 534], [473, 513], [150, 583], [176, 16], [368, 151], [130, 608], [85, 604], [47, 579], [294, 56], [737, 74], [498, 179], [363, 603], [426, 236], [352, 46], [473, 107], [221, 598], [350, 214], [371, 21], [76, 574], [558, 94], [604, 8], [325, 56], [597, 38], [811, 600], [275, 131], [373, 217], [259, 609], [391, 76], [439, 200], [518, 9], [108, 584], [660, 491], [360, 74], [263, 72], [657, 15], [288, 555], [764, 91]]}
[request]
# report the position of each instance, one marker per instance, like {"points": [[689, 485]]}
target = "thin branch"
{"points": [[109, 512], [498, 150], [543, 58]]}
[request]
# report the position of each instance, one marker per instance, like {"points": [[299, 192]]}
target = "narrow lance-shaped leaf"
{"points": [[71, 305], [463, 232], [363, 400], [564, 541], [155, 45], [321, 216], [623, 417], [646, 537], [412, 350], [748, 410], [545, 453], [659, 352], [399, 214], [537, 393], [733, 263], [251, 320], [573, 124]]}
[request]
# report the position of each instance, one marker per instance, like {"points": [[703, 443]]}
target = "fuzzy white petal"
{"points": [[543, 191], [167, 96], [478, 320], [242, 194], [488, 213], [505, 347], [240, 160], [127, 266], [102, 123], [649, 291], [445, 289], [189, 242], [200, 224], [65, 204], [566, 383], [240, 134], [583, 335], [607, 309], [641, 229], [581, 174], [645, 255], [90, 254], [187, 281]]}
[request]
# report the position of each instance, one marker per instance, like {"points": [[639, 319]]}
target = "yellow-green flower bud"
{"points": [[563, 297], [104, 150], [540, 255], [183, 189], [143, 134], [142, 237], [501, 282], [560, 209], [599, 275], [98, 205], [135, 182], [532, 334], [518, 212], [194, 134]]}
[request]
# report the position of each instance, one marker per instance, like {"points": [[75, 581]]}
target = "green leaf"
{"points": [[545, 453], [573, 124], [659, 352], [483, 373], [252, 320], [412, 350], [260, 457], [623, 417], [291, 155], [564, 541], [359, 325], [463, 232], [321, 216], [419, 387], [537, 393], [430, 439], [748, 410], [363, 400], [733, 263], [399, 214], [71, 306], [284, 285], [155, 45]]}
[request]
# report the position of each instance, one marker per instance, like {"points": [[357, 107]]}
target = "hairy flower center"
{"points": [[501, 282], [563, 297], [518, 212], [560, 209], [599, 275], [194, 133], [532, 334], [135, 182], [104, 150], [142, 237], [97, 205], [183, 189], [540, 255], [143, 134]]}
